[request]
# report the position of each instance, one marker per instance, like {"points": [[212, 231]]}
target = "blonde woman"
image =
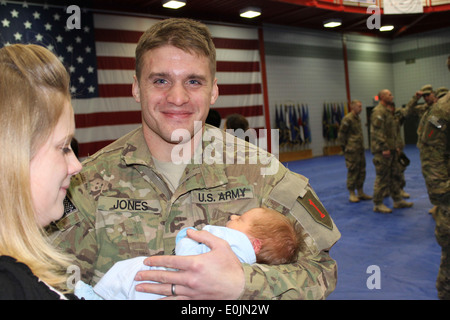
{"points": [[36, 162]]}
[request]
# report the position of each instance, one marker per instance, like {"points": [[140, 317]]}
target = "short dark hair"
{"points": [[185, 34]]}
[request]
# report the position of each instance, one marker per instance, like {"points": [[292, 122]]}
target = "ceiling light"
{"points": [[173, 4], [250, 12], [332, 23], [386, 28]]}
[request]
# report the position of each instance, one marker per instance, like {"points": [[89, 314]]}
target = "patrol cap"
{"points": [[427, 89], [440, 92]]}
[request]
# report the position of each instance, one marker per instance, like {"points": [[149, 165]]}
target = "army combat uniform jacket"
{"points": [[383, 130], [124, 209], [434, 142], [350, 134]]}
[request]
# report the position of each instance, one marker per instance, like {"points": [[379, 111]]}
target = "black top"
{"points": [[17, 282]]}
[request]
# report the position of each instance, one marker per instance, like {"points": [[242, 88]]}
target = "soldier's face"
{"points": [[51, 169], [175, 89], [430, 98], [388, 97], [357, 107]]}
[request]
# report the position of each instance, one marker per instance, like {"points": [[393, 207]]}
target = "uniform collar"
{"points": [[136, 152]]}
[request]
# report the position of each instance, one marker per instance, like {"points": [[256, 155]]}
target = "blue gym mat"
{"points": [[379, 256]]}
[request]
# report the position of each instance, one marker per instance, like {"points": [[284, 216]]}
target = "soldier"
{"points": [[414, 108], [399, 166], [440, 92], [350, 138], [435, 159], [385, 155], [133, 196]]}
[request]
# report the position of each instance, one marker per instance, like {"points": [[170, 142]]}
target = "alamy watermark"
{"points": [[74, 276], [220, 151], [390, 7], [74, 21], [374, 280]]}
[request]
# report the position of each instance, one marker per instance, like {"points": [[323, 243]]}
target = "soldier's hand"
{"points": [[217, 274]]}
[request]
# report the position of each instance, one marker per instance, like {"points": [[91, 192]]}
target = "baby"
{"points": [[259, 235]]}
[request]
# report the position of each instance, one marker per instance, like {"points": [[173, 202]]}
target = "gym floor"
{"points": [[379, 256]]}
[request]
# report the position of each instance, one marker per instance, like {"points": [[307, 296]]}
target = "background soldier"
{"points": [[435, 159], [400, 166], [350, 138], [385, 155], [419, 109], [440, 92]]}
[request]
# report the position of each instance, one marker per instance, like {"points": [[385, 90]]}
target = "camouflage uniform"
{"points": [[434, 144], [350, 137], [440, 92], [414, 108], [400, 171], [383, 137], [124, 209]]}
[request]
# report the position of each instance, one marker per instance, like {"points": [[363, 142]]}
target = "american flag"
{"points": [[100, 59]]}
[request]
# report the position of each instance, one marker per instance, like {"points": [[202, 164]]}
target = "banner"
{"points": [[402, 6]]}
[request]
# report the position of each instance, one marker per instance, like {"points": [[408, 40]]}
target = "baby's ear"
{"points": [[256, 243]]}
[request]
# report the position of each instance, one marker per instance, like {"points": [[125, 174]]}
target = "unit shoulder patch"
{"points": [[316, 209]]}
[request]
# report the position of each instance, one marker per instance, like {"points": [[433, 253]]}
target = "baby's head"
{"points": [[274, 237]]}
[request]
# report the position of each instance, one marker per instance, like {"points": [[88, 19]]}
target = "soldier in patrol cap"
{"points": [[133, 196], [440, 92], [413, 106], [435, 159]]}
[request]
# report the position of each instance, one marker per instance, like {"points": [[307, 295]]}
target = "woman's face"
{"points": [[51, 169]]}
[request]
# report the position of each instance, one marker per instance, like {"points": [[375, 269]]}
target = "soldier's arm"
{"points": [[411, 105], [314, 275], [343, 133], [377, 134]]}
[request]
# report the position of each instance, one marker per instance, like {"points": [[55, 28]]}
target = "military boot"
{"points": [[404, 194], [353, 197], [363, 196], [402, 204], [381, 208]]}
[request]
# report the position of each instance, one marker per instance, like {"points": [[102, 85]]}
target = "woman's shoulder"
{"points": [[18, 282]]}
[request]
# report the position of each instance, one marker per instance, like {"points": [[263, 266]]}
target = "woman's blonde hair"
{"points": [[34, 87]]}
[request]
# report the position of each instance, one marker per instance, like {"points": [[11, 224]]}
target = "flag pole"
{"points": [[262, 57], [347, 80]]}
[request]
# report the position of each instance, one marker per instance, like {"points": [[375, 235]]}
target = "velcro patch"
{"points": [[222, 196], [129, 205], [316, 209]]}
